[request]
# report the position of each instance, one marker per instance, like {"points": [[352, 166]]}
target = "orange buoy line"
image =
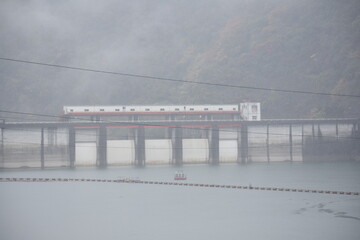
{"points": [[126, 180]]}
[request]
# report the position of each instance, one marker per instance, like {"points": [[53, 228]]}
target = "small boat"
{"points": [[179, 175]]}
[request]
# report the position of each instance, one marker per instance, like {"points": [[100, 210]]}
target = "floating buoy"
{"points": [[175, 183]]}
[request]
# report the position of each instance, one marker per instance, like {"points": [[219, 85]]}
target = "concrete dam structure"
{"points": [[75, 144]]}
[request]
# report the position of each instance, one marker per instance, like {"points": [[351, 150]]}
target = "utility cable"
{"points": [[174, 80]]}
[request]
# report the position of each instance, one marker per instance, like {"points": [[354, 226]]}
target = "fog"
{"points": [[278, 44], [310, 49], [131, 37]]}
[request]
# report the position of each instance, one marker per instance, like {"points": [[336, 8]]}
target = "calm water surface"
{"points": [[86, 210]]}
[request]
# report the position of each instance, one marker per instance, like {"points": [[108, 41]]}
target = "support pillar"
{"points": [[291, 143], [239, 144], [313, 133], [337, 131], [2, 149], [267, 143], [140, 146], [72, 135], [302, 142], [102, 147], [357, 135], [244, 143], [42, 152], [176, 140], [214, 143]]}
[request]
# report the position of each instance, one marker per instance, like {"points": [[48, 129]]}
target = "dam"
{"points": [[176, 142]]}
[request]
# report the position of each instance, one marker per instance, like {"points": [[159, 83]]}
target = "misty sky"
{"points": [[139, 37], [110, 34], [275, 44]]}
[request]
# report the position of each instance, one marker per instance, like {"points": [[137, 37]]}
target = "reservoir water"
{"points": [[92, 210]]}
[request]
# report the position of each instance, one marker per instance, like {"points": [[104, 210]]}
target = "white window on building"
{"points": [[254, 118]]}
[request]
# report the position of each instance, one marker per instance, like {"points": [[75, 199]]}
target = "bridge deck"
{"points": [[177, 123]]}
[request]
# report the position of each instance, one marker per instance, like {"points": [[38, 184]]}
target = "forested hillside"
{"points": [[307, 45], [295, 45]]}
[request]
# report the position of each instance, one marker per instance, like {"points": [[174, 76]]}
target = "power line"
{"points": [[175, 80]]}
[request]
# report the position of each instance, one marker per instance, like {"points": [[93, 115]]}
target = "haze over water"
{"points": [[298, 59], [87, 210]]}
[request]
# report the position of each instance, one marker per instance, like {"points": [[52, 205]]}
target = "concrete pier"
{"points": [[139, 146], [42, 156], [214, 145], [2, 154], [244, 143], [71, 142], [102, 147], [177, 146]]}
